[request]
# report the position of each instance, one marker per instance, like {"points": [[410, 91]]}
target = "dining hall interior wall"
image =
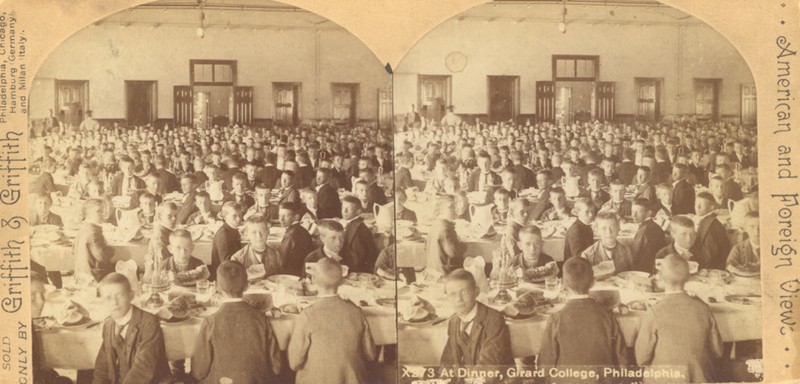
{"points": [[107, 55], [676, 53]]}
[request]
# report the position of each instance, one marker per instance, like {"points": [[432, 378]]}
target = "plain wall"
{"points": [[676, 52], [108, 54]]}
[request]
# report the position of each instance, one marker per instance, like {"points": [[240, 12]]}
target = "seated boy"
{"points": [[262, 206], [227, 240], [500, 205], [745, 256], [257, 251], [519, 211], [288, 192], [580, 235], [205, 213], [214, 185], [331, 233], [649, 239], [181, 247], [530, 243], [359, 251], [662, 209], [93, 256], [476, 334], [712, 237], [308, 215], [324, 351], [679, 330], [187, 207], [237, 342], [684, 242], [147, 209], [41, 214], [584, 333], [133, 348], [238, 193], [444, 251], [618, 205], [559, 209], [608, 247], [296, 243], [401, 212], [594, 191]]}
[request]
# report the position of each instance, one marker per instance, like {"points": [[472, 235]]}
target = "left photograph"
{"points": [[212, 200]]}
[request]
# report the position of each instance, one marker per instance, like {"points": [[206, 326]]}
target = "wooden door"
{"points": [[546, 101], [706, 99], [502, 97], [243, 105], [434, 95], [749, 115], [384, 108], [606, 107], [648, 99], [286, 103], [344, 103], [183, 101], [140, 102], [72, 101]]}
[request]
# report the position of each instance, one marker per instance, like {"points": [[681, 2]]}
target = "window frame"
{"points": [[213, 63], [575, 58]]}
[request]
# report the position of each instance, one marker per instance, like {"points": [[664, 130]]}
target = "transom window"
{"points": [[575, 68], [213, 72]]}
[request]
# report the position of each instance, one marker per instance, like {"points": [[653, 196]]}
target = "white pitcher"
{"points": [[384, 219]]}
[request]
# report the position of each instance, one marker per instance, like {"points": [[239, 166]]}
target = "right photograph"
{"points": [[576, 195]]}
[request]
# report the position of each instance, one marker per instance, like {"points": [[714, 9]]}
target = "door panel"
{"points": [[546, 101], [183, 100], [749, 115], [243, 105], [605, 101], [502, 97]]}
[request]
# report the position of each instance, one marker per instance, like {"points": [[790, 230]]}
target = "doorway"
{"points": [[140, 102], [213, 105], [749, 114], [287, 103], [434, 96], [345, 103], [706, 101], [648, 99], [72, 100], [575, 102], [503, 93]]}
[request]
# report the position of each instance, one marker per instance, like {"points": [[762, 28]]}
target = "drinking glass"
{"points": [[551, 282]]}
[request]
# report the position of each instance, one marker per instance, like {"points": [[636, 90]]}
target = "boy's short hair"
{"points": [[327, 273], [166, 206], [707, 196], [558, 191], [263, 186], [461, 275], [642, 202], [232, 278], [607, 215], [530, 230], [583, 202], [329, 225], [520, 202], [230, 207], [180, 234], [502, 192], [617, 182], [292, 207], [190, 177], [43, 196], [240, 177], [596, 172], [115, 278], [674, 269], [256, 220], [93, 204], [578, 275], [147, 196], [352, 200], [681, 221], [288, 173]]}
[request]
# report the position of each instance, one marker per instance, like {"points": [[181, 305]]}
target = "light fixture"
{"points": [[562, 26], [201, 29]]}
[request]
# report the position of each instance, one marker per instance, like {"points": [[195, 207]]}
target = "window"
{"points": [[213, 72], [571, 68]]}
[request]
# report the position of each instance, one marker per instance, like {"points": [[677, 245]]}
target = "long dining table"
{"points": [[76, 348], [423, 344]]}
